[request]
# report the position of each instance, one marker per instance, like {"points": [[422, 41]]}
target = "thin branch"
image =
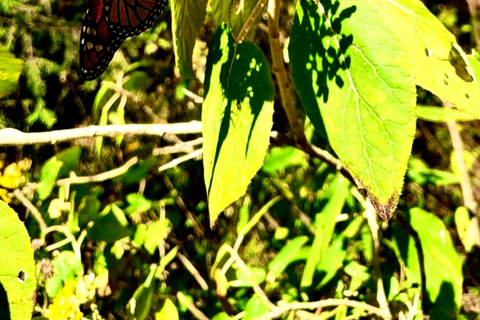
{"points": [[371, 215], [256, 287], [283, 309], [192, 95], [73, 179], [191, 307], [465, 183], [474, 8], [318, 153], [29, 205], [13, 137], [177, 161], [278, 68], [186, 147], [251, 19], [193, 271]]}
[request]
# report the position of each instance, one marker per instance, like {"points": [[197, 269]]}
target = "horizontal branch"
{"points": [[13, 137], [73, 179], [294, 306]]}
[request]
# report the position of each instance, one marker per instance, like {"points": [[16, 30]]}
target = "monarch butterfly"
{"points": [[107, 23]]}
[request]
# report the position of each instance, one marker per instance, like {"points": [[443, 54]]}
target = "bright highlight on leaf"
{"points": [[439, 64], [353, 77], [237, 118]]}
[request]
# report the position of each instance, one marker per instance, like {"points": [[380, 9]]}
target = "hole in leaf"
{"points": [[22, 276], [459, 64]]}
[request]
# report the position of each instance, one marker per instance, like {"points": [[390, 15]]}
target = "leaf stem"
{"points": [[29, 205], [278, 69], [371, 216], [465, 183], [251, 19]]}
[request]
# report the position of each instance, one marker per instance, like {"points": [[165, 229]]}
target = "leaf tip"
{"points": [[384, 210]]}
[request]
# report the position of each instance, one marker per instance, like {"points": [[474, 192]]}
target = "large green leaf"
{"points": [[187, 18], [10, 70], [354, 80], [443, 265], [17, 271], [237, 118], [439, 64]]}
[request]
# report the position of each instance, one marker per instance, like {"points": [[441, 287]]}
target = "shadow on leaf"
{"points": [[4, 305]]}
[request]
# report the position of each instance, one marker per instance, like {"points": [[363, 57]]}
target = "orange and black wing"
{"points": [[107, 24], [132, 17]]}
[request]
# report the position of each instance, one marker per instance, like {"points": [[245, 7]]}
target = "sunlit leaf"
{"points": [[67, 267], [354, 81], [437, 114], [439, 64], [17, 272], [237, 118], [255, 308], [168, 311], [10, 70], [443, 265]]}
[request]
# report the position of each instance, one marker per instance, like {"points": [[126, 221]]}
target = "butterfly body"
{"points": [[107, 24]]}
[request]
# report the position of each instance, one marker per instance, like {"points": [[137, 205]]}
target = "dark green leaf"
{"points": [[187, 18], [287, 255], [110, 227]]}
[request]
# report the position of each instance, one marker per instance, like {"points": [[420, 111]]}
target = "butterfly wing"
{"points": [[98, 43], [107, 24], [132, 17]]}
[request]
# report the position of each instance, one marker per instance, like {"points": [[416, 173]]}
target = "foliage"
{"points": [[126, 228], [17, 277]]}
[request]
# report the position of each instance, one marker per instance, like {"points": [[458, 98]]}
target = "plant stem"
{"points": [[283, 309], [191, 307], [29, 205], [278, 67], [474, 8], [465, 183], [73, 179], [251, 19], [371, 216], [13, 137]]}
